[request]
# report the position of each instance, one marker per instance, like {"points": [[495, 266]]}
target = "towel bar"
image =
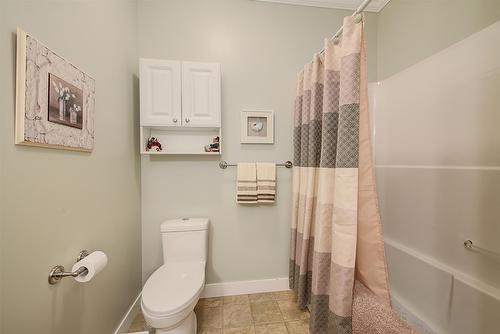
{"points": [[224, 164]]}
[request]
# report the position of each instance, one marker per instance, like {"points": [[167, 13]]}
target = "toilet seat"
{"points": [[173, 289]]}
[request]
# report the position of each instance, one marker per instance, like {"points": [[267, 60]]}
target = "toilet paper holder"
{"points": [[57, 273]]}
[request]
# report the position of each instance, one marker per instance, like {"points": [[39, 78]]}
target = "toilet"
{"points": [[172, 291]]}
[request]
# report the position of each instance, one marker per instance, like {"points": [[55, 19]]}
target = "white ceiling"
{"points": [[374, 6]]}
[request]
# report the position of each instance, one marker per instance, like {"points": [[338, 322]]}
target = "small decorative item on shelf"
{"points": [[214, 147], [153, 145]]}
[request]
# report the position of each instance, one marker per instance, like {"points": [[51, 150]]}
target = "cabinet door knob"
{"points": [[187, 120], [174, 120]]}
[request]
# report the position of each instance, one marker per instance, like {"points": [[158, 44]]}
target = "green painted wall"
{"points": [[261, 47], [54, 202], [411, 30]]}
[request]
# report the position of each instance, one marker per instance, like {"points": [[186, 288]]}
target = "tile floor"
{"points": [[261, 313]]}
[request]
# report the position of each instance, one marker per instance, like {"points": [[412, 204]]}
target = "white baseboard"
{"points": [[129, 316], [245, 287], [214, 290], [410, 316]]}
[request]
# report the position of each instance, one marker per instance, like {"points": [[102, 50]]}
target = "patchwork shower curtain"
{"points": [[336, 233]]}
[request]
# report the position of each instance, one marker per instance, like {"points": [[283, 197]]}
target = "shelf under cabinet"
{"points": [[180, 140], [179, 153]]}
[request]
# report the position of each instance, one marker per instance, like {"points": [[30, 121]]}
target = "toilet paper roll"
{"points": [[94, 262]]}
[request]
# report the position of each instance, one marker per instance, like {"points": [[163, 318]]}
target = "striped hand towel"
{"points": [[246, 191], [266, 182]]}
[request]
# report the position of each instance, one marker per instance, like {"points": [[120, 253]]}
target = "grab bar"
{"points": [[468, 244]]}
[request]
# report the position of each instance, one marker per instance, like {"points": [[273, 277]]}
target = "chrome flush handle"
{"points": [[187, 120]]}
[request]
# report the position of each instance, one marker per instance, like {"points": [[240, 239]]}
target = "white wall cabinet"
{"points": [[177, 96], [160, 92], [200, 94]]}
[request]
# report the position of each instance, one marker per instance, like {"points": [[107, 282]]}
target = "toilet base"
{"points": [[188, 326]]}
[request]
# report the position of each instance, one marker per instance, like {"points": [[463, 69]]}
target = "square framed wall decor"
{"points": [[257, 127]]}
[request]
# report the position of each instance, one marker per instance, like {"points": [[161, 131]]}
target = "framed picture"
{"points": [[54, 99], [257, 127]]}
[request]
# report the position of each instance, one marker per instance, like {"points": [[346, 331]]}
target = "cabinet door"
{"points": [[201, 94], [160, 92]]}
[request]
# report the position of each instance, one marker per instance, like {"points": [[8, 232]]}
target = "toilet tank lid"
{"points": [[184, 224]]}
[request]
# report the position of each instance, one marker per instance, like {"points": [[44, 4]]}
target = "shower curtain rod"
{"points": [[360, 9]]}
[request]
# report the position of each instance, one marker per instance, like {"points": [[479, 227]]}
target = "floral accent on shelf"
{"points": [[214, 147], [153, 145]]}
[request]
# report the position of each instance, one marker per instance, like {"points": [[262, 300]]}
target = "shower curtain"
{"points": [[336, 235]]}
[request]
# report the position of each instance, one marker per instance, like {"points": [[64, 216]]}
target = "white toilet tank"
{"points": [[184, 239]]}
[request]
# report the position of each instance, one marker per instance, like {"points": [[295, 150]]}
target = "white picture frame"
{"points": [[257, 127], [54, 99]]}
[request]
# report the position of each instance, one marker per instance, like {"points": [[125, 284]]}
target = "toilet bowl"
{"points": [[172, 291]]}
